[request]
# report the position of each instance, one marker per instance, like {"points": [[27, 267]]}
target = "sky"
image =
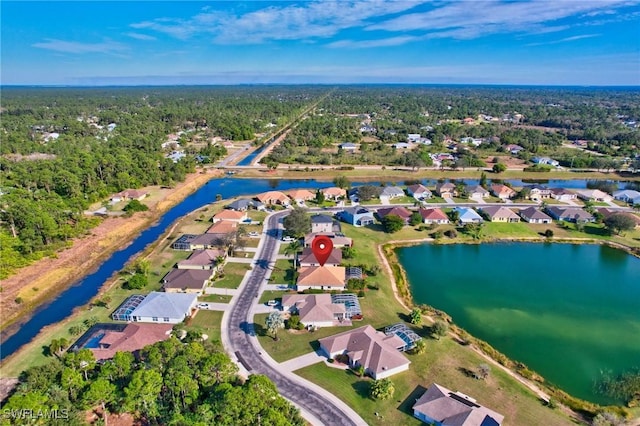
{"points": [[538, 42]]}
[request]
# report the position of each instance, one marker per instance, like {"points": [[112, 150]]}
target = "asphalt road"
{"points": [[240, 328]]}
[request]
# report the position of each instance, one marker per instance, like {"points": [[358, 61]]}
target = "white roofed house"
{"points": [[562, 194], [628, 196], [391, 192], [419, 192], [316, 310], [171, 308], [594, 195]]}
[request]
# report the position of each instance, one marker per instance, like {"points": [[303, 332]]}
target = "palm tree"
{"points": [[292, 249], [274, 322]]}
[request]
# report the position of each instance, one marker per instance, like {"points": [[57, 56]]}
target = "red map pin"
{"points": [[322, 246]]}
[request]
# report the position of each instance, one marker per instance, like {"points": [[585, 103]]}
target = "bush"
{"points": [[135, 206], [451, 233], [18, 300], [137, 282]]}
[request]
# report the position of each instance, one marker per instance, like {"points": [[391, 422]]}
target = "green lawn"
{"points": [[446, 363], [435, 199], [233, 274], [207, 322], [216, 298], [272, 295], [508, 230], [404, 200], [283, 272]]}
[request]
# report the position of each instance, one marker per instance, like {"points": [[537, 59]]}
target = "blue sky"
{"points": [[559, 42]]}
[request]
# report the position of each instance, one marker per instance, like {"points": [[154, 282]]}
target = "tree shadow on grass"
{"points": [[260, 330], [406, 406], [404, 317], [362, 386], [468, 373], [593, 230]]}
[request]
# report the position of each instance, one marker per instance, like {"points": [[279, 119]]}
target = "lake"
{"points": [[567, 311]]}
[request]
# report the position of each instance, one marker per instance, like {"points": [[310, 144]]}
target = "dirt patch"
{"points": [[85, 254], [7, 385]]}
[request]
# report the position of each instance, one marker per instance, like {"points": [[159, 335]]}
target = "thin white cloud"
{"points": [[139, 36], [110, 47], [318, 19], [472, 19], [565, 40], [386, 42]]}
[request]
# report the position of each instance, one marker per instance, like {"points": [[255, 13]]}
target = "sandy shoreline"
{"points": [[47, 277]]}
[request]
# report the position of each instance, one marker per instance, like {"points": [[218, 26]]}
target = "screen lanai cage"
{"points": [[405, 333], [123, 313]]}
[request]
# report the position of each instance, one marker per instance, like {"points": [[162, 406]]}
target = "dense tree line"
{"points": [[170, 383], [48, 181]]}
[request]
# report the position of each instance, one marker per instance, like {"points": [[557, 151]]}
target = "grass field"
{"points": [[215, 298], [233, 275], [207, 322], [283, 272]]}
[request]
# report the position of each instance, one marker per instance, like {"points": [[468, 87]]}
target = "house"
{"points": [[570, 214], [321, 278], [186, 280], [202, 259], [348, 146], [628, 196], [593, 195], [230, 216], [538, 192], [472, 141], [436, 216], [413, 137], [419, 192], [131, 338], [476, 191], [301, 195], [562, 194], [534, 215], [338, 240], [176, 156], [513, 149], [545, 160], [391, 192], [468, 215], [307, 258], [223, 227], [605, 212], [273, 197], [170, 308], [446, 189], [334, 193], [197, 242], [501, 214], [324, 223], [129, 194], [316, 310], [442, 407], [502, 191], [401, 145], [376, 352], [356, 216], [398, 211], [243, 204]]}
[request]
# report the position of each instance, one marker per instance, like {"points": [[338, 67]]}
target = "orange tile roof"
{"points": [[333, 276], [222, 227], [229, 215]]}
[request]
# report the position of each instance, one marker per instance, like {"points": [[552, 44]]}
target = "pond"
{"points": [[567, 311]]}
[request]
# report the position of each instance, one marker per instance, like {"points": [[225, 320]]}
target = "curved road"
{"points": [[240, 330]]}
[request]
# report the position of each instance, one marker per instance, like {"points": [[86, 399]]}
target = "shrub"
{"points": [[451, 233]]}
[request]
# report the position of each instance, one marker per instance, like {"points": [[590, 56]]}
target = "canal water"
{"points": [[569, 312], [83, 291]]}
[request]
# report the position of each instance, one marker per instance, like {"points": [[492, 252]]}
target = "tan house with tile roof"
{"points": [[230, 216], [500, 214], [223, 227], [502, 191], [333, 193], [316, 310], [377, 352], [337, 240], [299, 195], [321, 278], [273, 197]]}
